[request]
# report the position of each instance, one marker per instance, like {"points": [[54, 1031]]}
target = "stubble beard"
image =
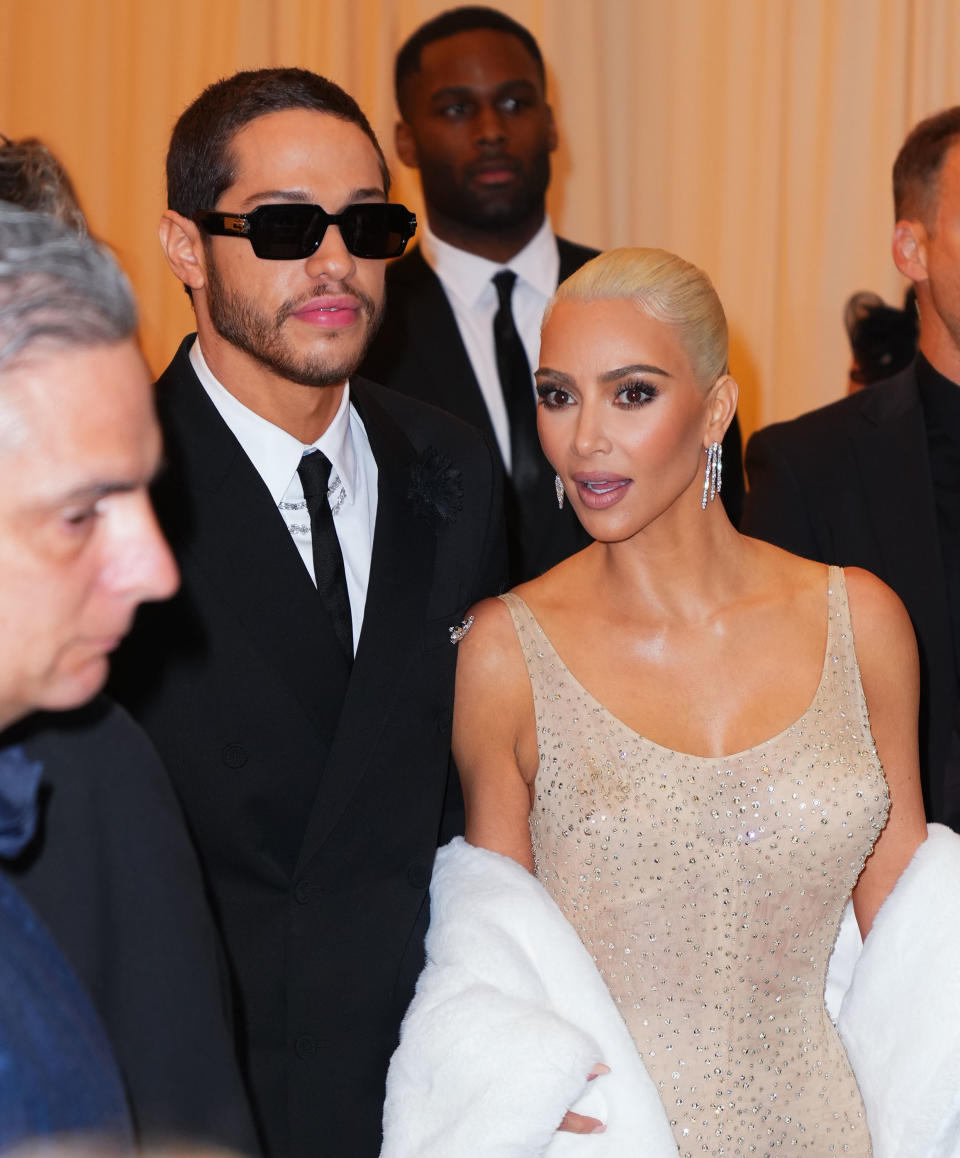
{"points": [[493, 210], [240, 321]]}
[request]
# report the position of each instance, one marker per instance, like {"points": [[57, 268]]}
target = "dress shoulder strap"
{"points": [[524, 624], [543, 663], [839, 629], [841, 660]]}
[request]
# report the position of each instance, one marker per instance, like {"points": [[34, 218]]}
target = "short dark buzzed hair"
{"points": [[472, 18], [916, 171], [199, 162]]}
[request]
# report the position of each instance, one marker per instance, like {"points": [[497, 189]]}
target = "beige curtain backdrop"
{"points": [[754, 137]]}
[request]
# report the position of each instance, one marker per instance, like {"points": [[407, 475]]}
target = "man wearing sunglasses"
{"points": [[331, 536]]}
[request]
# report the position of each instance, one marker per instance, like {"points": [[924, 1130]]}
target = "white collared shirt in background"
{"points": [[276, 455], [467, 282]]}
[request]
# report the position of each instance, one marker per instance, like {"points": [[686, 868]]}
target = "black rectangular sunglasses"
{"points": [[284, 232]]}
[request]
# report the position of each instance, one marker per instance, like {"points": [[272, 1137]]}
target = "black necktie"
{"points": [[314, 472], [514, 371]]}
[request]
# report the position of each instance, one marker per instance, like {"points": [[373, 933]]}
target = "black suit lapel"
{"points": [[422, 328], [421, 335], [222, 521], [434, 335], [894, 465], [401, 568], [572, 256]]}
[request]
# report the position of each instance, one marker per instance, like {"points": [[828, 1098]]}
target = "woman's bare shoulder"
{"points": [[878, 616], [490, 664], [494, 740], [490, 636], [881, 624]]}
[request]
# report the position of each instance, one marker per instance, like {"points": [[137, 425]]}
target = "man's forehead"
{"points": [[82, 418], [50, 378], [273, 131], [473, 57], [280, 149]]}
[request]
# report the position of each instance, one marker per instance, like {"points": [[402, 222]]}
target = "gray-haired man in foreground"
{"points": [[89, 829]]}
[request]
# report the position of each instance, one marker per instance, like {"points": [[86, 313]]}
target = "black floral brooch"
{"points": [[436, 487]]}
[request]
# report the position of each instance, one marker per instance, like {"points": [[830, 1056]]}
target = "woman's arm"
{"points": [[495, 747], [890, 674], [494, 734]]}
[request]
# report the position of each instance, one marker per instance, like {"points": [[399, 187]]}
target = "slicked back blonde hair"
{"points": [[665, 288]]}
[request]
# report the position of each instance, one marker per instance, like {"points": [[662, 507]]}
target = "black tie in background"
{"points": [[514, 371], [314, 472]]}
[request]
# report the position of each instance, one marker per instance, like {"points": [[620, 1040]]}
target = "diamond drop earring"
{"points": [[558, 483], [712, 475]]}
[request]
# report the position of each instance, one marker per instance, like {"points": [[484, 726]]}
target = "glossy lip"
{"points": [[599, 490], [329, 312]]}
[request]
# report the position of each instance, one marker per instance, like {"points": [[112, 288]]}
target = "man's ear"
{"points": [[910, 249], [406, 145], [721, 407], [182, 246]]}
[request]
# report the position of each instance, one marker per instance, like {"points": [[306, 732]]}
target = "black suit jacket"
{"points": [[316, 818], [419, 351], [850, 484], [113, 876]]}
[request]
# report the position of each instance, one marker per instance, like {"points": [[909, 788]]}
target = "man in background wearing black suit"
{"points": [[331, 535], [460, 331], [874, 480]]}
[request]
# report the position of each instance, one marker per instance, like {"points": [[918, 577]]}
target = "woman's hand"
{"points": [[579, 1123]]}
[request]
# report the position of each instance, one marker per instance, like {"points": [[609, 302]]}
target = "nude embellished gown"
{"points": [[709, 892]]}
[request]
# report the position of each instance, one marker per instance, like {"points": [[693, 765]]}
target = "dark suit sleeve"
{"points": [[492, 572], [114, 877], [774, 508], [491, 579]]}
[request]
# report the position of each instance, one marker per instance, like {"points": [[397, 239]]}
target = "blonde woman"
{"points": [[700, 744]]}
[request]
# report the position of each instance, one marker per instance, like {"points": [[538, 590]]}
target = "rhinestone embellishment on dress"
{"points": [[709, 893]]}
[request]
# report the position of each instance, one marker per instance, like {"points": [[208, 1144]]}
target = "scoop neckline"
{"points": [[694, 755]]}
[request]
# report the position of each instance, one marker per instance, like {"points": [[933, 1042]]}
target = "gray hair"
{"points": [[57, 290], [665, 288]]}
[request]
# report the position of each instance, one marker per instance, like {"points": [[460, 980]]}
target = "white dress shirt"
{"points": [[467, 282], [276, 455]]}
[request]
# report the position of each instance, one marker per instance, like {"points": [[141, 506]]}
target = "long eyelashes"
{"points": [[552, 396], [628, 395], [636, 393]]}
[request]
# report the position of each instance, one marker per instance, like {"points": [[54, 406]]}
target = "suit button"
{"points": [[234, 755], [305, 1045], [443, 721], [302, 892], [418, 875]]}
